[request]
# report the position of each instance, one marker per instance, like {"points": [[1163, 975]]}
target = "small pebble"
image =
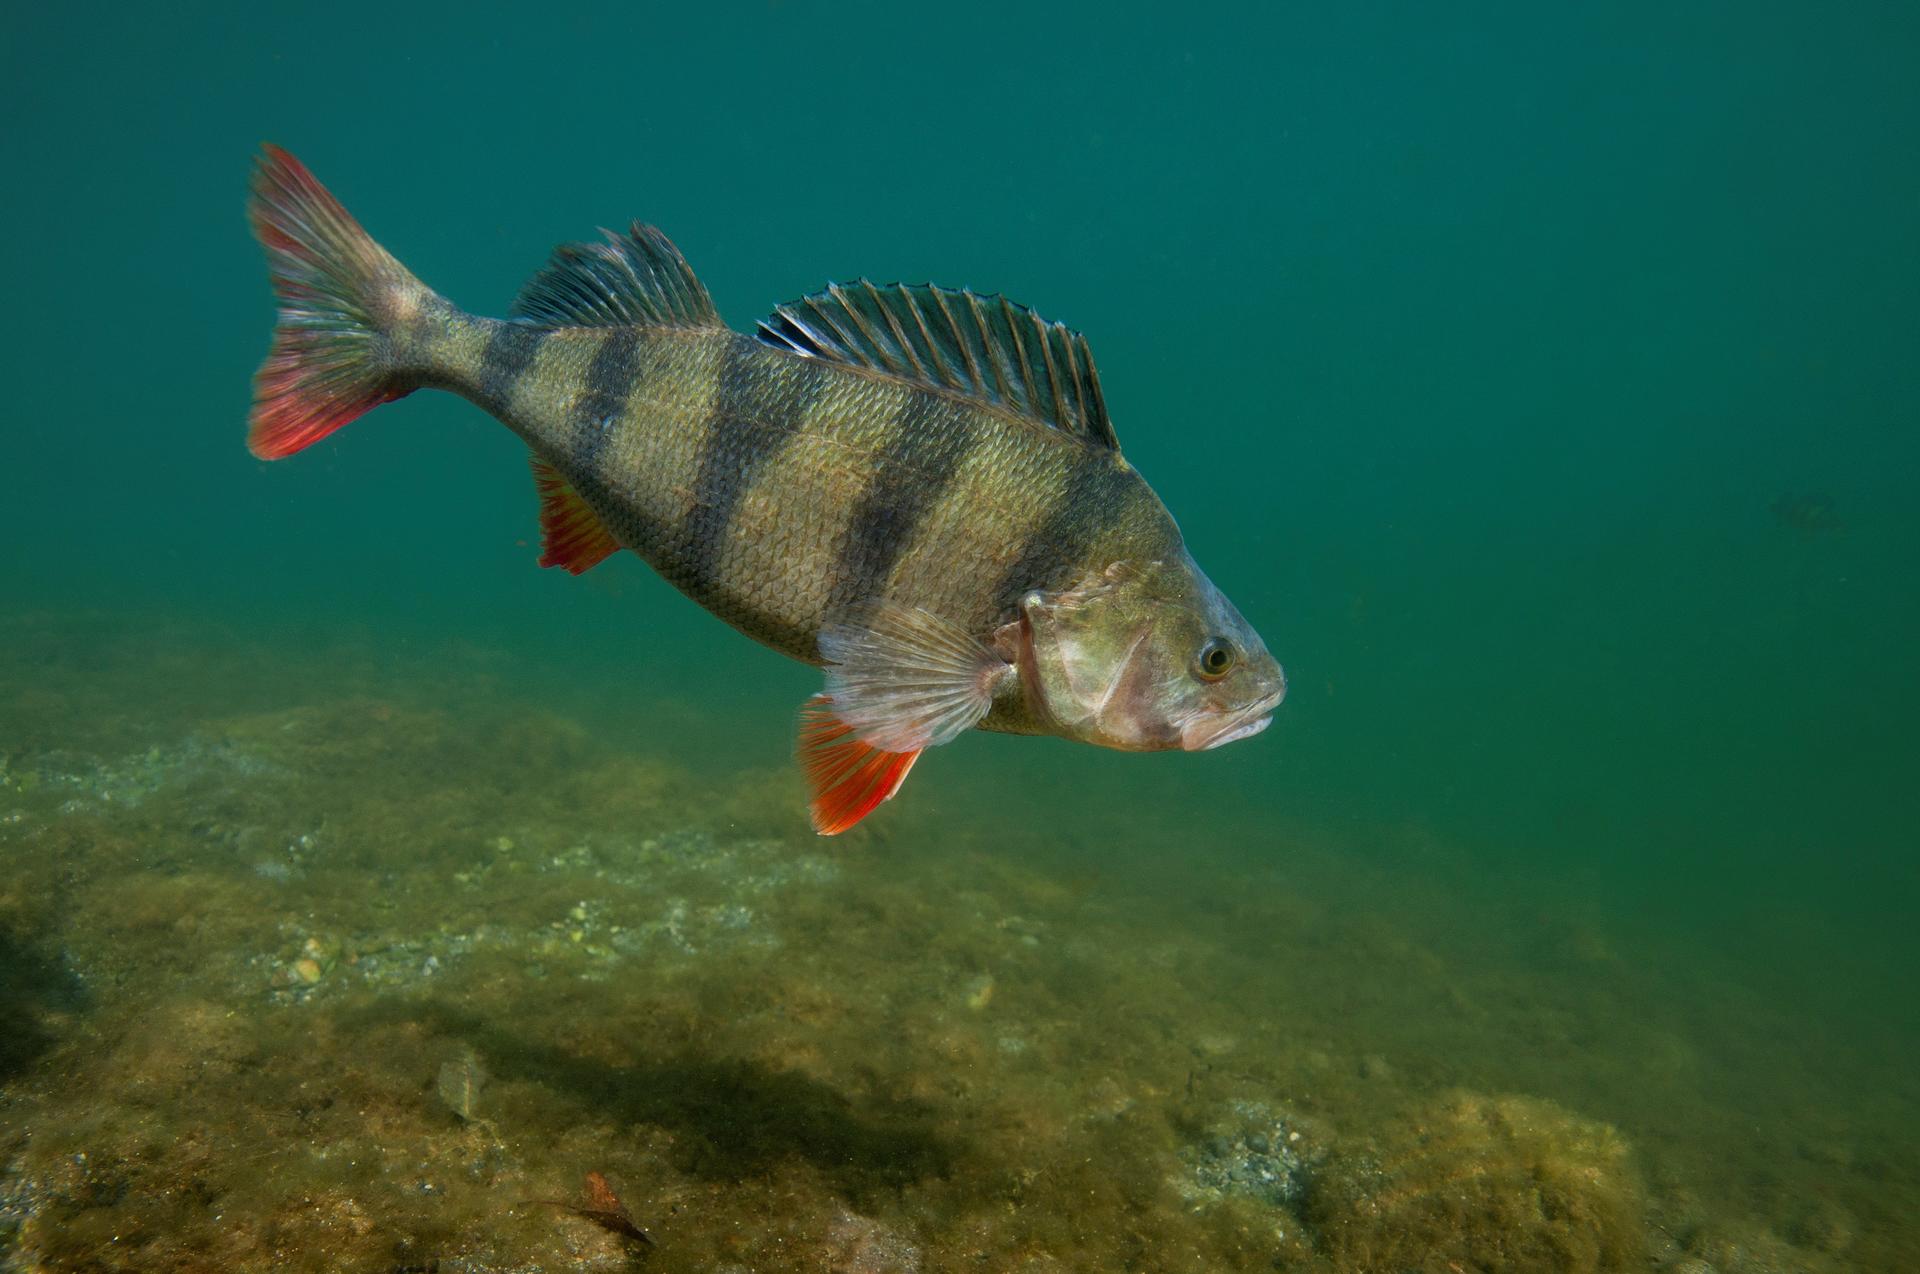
{"points": [[980, 992], [307, 969]]}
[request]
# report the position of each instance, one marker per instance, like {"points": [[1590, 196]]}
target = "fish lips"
{"points": [[1245, 730], [1214, 729]]}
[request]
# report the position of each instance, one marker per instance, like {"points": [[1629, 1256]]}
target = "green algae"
{"points": [[249, 952]]}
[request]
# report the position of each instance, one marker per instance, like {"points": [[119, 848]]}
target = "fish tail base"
{"points": [[345, 307]]}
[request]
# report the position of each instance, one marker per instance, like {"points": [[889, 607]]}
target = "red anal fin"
{"points": [[571, 534], [849, 778]]}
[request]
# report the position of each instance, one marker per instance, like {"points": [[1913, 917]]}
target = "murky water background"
{"points": [[1539, 384]]}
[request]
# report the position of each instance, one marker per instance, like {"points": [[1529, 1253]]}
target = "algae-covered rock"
{"points": [[1484, 1183]]}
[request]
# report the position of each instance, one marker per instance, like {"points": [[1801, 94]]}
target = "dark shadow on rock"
{"points": [[733, 1119], [31, 984]]}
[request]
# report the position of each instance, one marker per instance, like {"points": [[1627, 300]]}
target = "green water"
{"points": [[1537, 379]]}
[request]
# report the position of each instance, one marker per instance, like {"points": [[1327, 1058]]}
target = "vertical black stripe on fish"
{"points": [[1055, 552], [630, 521], [759, 404], [616, 367], [511, 349], [927, 444]]}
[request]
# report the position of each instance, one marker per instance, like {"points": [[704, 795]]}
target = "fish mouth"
{"points": [[1245, 730], [1215, 729], [1205, 735]]}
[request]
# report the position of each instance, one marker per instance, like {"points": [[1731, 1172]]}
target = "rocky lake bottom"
{"points": [[347, 961]]}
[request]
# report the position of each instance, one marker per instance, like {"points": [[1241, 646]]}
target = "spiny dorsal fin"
{"points": [[985, 346], [634, 279]]}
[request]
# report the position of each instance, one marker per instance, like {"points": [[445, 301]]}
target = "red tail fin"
{"points": [[849, 778], [339, 294]]}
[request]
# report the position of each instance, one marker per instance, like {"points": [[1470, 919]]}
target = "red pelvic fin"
{"points": [[849, 778], [571, 534]]}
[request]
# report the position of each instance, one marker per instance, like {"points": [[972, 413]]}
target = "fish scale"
{"points": [[850, 467]]}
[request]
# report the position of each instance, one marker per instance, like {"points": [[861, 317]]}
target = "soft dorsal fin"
{"points": [[984, 346], [634, 279]]}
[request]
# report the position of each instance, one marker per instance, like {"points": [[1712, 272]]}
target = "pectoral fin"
{"points": [[906, 679], [899, 681]]}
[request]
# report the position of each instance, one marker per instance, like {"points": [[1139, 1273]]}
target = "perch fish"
{"points": [[916, 488]]}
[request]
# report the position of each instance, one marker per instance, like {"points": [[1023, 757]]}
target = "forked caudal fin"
{"points": [[342, 297]]}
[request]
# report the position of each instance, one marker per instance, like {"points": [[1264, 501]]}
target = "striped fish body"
{"points": [[917, 488], [782, 491]]}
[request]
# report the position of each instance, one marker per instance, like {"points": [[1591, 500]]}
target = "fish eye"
{"points": [[1215, 658]]}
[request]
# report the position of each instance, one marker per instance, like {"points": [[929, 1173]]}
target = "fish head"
{"points": [[1145, 656]]}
